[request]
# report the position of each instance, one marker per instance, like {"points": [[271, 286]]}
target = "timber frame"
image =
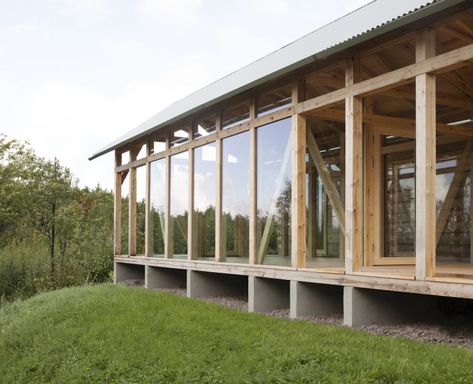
{"points": [[374, 98]]}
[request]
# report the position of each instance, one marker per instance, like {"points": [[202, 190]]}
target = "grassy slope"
{"points": [[115, 334]]}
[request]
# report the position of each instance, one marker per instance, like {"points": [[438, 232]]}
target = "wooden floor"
{"points": [[408, 271]]}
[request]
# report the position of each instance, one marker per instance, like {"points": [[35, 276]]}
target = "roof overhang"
{"points": [[367, 22]]}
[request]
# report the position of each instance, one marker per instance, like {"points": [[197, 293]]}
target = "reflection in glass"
{"points": [[324, 234], [235, 114], [453, 203], [274, 193], [204, 201], [179, 136], [399, 204], [205, 126], [235, 198], [140, 209], [273, 101], [157, 206], [179, 204], [124, 213]]}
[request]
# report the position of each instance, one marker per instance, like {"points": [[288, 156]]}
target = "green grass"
{"points": [[115, 334]]}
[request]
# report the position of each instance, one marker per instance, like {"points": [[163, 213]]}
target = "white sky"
{"points": [[77, 74]]}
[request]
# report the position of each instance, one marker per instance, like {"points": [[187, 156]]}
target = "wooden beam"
{"points": [[425, 159], [439, 64], [132, 208], [192, 237], [396, 126], [220, 254], [353, 173], [148, 219], [117, 210], [168, 239], [324, 174], [298, 198], [253, 196]]}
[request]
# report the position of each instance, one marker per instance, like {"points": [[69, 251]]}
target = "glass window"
{"points": [[273, 101], [399, 204], [205, 126], [274, 193], [235, 115], [235, 198], [179, 204], [324, 234], [205, 158], [159, 146], [158, 206], [124, 212], [453, 205], [140, 209], [179, 136]]}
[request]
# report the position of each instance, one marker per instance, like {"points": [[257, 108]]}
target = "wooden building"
{"points": [[333, 175]]}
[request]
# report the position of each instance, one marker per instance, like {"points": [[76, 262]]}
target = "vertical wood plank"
{"points": [[298, 201], [132, 208], [353, 173], [253, 197], [117, 209], [191, 218], [220, 254], [168, 243], [425, 159], [148, 219]]}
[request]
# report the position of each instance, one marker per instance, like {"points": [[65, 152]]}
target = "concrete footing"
{"points": [[309, 299], [123, 272], [360, 306], [207, 284], [368, 306], [265, 295], [157, 277]]}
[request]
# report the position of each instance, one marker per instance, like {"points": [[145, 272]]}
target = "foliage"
{"points": [[52, 233], [117, 334]]}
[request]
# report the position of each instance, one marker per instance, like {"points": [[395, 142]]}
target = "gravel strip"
{"points": [[134, 282], [234, 302], [454, 335]]}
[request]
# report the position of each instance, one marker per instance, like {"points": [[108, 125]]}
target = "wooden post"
{"points": [[220, 254], [132, 207], [253, 191], [168, 240], [191, 217], [117, 211], [353, 173], [148, 219], [298, 203], [425, 159]]}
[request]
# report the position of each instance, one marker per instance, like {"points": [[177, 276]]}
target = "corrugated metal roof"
{"points": [[365, 23]]}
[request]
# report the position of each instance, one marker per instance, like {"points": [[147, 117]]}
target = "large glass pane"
{"points": [[157, 206], [140, 209], [274, 193], [124, 213], [235, 198], [453, 205], [399, 203], [179, 204], [324, 234], [204, 201]]}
